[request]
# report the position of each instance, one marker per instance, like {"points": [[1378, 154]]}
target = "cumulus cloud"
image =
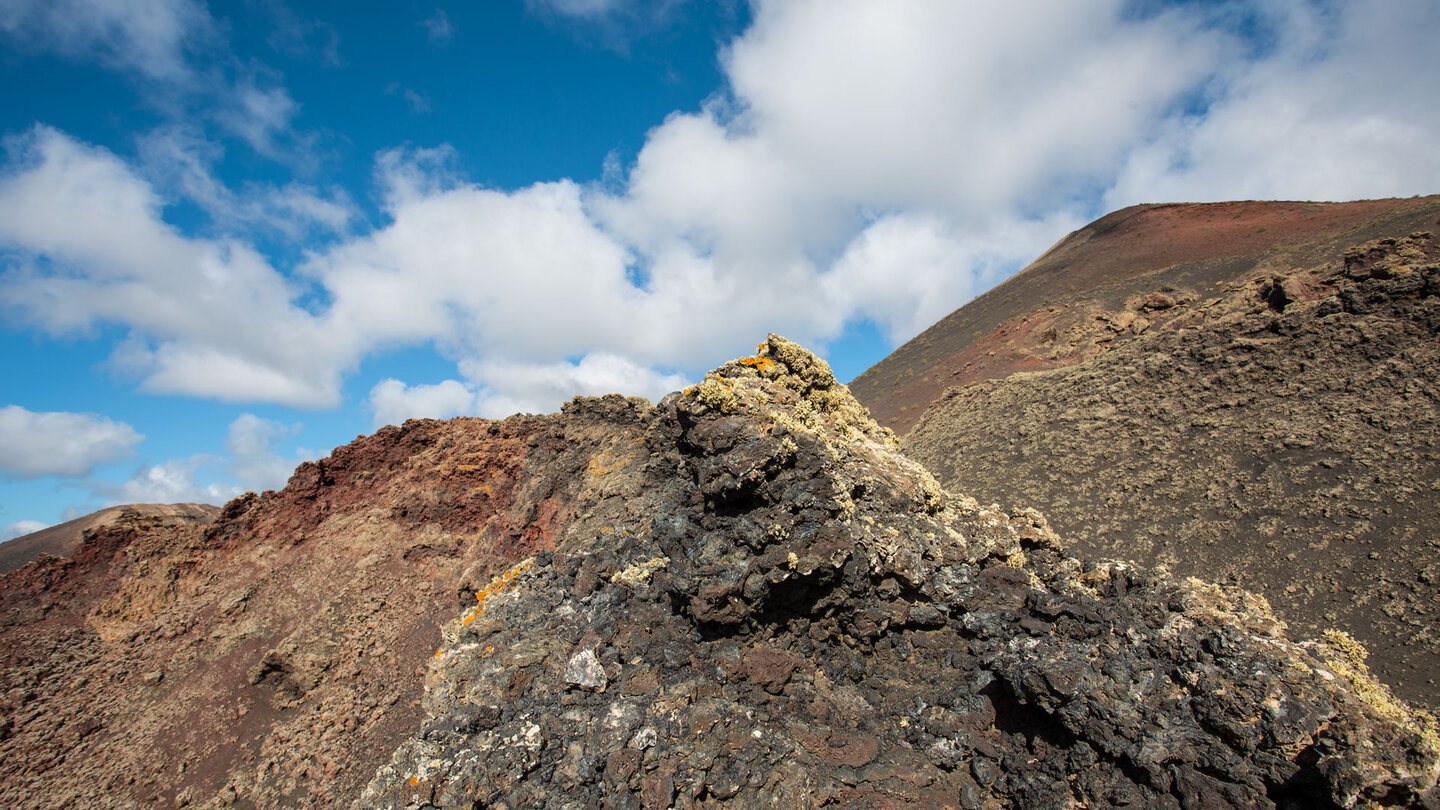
{"points": [[88, 245], [174, 481], [866, 160], [20, 528], [35, 444], [252, 463], [498, 388], [392, 401], [181, 60], [1332, 112], [179, 160], [509, 387]]}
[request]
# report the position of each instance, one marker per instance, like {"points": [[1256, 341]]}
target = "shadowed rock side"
{"points": [[741, 596], [1287, 439], [62, 540], [756, 601], [1116, 278]]}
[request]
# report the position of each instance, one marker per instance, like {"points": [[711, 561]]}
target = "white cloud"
{"points": [[260, 115], [20, 528], [254, 463], [182, 60], [418, 102], [438, 27], [393, 401], [147, 36], [508, 387], [900, 271], [208, 317], [1334, 112], [35, 444], [173, 481], [180, 160], [868, 159]]}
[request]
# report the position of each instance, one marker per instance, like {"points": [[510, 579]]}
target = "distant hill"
{"points": [[1270, 420], [62, 539], [1082, 296]]}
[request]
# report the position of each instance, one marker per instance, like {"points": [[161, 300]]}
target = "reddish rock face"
{"points": [[273, 654], [743, 595]]}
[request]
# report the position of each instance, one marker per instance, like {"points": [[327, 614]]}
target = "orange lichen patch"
{"points": [[501, 584], [605, 462], [758, 363]]}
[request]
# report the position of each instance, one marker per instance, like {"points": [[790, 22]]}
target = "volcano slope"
{"points": [[741, 596], [1283, 435], [62, 540], [1117, 278]]}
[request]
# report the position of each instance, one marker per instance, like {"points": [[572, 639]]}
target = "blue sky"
{"points": [[236, 234]]}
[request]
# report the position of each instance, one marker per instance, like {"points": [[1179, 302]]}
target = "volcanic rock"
{"points": [[742, 595], [1282, 435]]}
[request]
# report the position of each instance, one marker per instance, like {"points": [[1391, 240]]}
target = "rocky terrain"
{"points": [[1091, 291], [1282, 434], [742, 595], [62, 539]]}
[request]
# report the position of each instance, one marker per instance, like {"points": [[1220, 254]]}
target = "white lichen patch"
{"points": [[639, 572]]}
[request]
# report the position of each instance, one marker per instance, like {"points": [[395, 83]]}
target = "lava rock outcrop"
{"points": [[758, 602], [742, 595]]}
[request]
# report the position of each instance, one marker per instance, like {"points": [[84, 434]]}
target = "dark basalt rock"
{"points": [[755, 600]]}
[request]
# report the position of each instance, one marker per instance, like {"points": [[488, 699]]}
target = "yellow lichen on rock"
{"points": [[1347, 657], [716, 394], [504, 582], [640, 572]]}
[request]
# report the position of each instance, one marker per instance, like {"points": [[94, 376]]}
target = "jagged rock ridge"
{"points": [[742, 595]]}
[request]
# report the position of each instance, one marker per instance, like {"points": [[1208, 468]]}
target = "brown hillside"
{"points": [[62, 539], [1283, 435], [1071, 304], [742, 596]]}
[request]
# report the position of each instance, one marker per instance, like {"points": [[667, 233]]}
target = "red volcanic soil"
{"points": [[1115, 278]]}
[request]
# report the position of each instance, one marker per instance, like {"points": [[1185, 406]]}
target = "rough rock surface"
{"points": [[757, 602], [1283, 435], [743, 595]]}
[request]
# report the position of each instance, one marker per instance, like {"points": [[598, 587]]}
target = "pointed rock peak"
{"points": [[789, 385]]}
